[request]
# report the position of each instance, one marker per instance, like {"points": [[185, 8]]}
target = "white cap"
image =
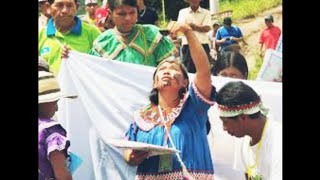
{"points": [[90, 1]]}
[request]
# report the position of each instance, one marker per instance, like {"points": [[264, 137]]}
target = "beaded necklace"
{"points": [[250, 168]]}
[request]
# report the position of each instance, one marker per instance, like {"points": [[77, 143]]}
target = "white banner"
{"points": [[109, 92]]}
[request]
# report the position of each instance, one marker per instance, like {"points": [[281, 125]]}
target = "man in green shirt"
{"points": [[64, 29]]}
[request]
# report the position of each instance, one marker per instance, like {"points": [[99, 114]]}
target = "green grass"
{"points": [[254, 72], [247, 8]]}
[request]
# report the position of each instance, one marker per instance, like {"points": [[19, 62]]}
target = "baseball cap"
{"points": [[269, 18], [90, 2]]}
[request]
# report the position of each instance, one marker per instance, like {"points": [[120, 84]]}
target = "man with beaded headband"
{"points": [[259, 153]]}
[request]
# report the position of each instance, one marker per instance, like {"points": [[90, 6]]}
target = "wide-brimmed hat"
{"points": [[49, 90]]}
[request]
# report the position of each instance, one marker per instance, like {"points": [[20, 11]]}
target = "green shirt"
{"points": [[145, 46], [80, 38]]}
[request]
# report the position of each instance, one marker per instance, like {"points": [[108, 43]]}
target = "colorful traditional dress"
{"points": [[145, 46], [51, 137], [188, 132]]}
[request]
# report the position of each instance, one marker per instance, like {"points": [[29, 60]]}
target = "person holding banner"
{"points": [[131, 42], [243, 115], [53, 155], [176, 117], [64, 31]]}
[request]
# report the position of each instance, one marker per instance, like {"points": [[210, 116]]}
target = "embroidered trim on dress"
{"points": [[208, 101], [148, 117], [174, 175], [168, 54], [99, 48], [116, 52], [154, 43]]}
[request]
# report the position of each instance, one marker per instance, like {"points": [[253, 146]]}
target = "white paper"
{"points": [[154, 150], [271, 69]]}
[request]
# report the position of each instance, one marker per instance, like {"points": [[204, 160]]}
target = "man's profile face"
{"points": [[234, 126]]}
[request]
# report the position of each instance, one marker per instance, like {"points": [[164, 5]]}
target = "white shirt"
{"points": [[222, 146], [200, 17], [269, 155]]}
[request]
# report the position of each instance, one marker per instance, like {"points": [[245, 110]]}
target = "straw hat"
{"points": [[49, 90]]}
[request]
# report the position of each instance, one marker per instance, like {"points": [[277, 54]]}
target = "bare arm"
{"points": [[236, 39], [60, 169], [199, 28], [200, 59], [221, 41]]}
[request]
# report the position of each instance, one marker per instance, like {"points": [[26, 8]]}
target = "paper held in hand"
{"points": [[154, 150]]}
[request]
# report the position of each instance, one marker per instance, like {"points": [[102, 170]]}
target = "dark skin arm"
{"points": [[60, 169], [199, 28], [202, 78]]}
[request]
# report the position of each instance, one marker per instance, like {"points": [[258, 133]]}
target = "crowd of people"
{"points": [[177, 116]]}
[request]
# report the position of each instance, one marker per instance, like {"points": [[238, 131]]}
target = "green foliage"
{"points": [[241, 8], [259, 60], [172, 8], [246, 8], [81, 9]]}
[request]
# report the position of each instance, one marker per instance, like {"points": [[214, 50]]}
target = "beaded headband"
{"points": [[251, 108]]}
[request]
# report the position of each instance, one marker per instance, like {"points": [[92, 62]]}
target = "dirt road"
{"points": [[251, 29]]}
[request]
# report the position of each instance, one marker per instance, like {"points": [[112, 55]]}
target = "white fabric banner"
{"points": [[109, 92]]}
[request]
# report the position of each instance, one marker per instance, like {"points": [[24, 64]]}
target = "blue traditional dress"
{"points": [[188, 133]]}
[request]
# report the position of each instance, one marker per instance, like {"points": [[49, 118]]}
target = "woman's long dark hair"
{"points": [[231, 59], [154, 92]]}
